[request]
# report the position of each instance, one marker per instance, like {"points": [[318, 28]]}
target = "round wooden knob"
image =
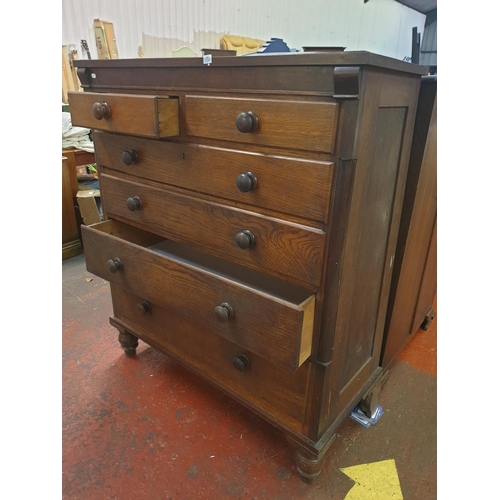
{"points": [[114, 265], [130, 157], [144, 308], [246, 182], [224, 312], [245, 239], [101, 110], [134, 204], [247, 122], [240, 362]]}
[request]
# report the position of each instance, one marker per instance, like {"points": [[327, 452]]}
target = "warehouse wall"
{"points": [[160, 26]]}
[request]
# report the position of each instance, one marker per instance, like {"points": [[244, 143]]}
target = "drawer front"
{"points": [[278, 248], [308, 126], [270, 182], [278, 328], [265, 385], [148, 116]]}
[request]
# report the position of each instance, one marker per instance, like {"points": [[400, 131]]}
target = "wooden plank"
{"points": [[100, 39], [266, 325], [109, 33]]}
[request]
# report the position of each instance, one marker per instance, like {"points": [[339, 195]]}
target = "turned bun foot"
{"points": [[309, 467], [128, 343]]}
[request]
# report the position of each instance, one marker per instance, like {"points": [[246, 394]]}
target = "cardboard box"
{"points": [[81, 170], [88, 201], [105, 39]]}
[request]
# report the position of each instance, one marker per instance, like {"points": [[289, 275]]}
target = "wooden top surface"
{"points": [[360, 58]]}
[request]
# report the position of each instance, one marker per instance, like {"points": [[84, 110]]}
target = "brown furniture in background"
{"points": [[323, 49], [71, 244], [251, 225], [415, 265], [218, 52]]}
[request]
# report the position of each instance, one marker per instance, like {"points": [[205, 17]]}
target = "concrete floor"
{"points": [[144, 428]]}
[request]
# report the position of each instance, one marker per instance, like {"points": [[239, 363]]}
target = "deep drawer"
{"points": [[278, 247], [277, 184], [265, 385], [304, 125], [143, 115], [269, 318]]}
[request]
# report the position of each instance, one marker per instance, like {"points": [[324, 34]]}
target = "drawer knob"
{"points": [[134, 204], [144, 308], [130, 157], [101, 110], [224, 312], [246, 182], [114, 265], [247, 122], [245, 239], [240, 362]]}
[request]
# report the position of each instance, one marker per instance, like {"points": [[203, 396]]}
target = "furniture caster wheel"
{"points": [[428, 320]]}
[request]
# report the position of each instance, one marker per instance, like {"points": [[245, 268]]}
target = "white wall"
{"points": [[160, 26]]}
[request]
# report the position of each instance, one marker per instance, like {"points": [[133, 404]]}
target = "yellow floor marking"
{"points": [[375, 481]]}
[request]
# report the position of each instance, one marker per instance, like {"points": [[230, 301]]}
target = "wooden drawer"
{"points": [[280, 181], [270, 319], [143, 115], [309, 126], [267, 386], [280, 248]]}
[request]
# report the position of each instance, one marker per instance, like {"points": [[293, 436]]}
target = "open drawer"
{"points": [[270, 318], [143, 115]]}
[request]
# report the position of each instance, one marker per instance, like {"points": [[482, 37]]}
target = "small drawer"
{"points": [[303, 125], [267, 181], [143, 115], [269, 318], [250, 378], [275, 246]]}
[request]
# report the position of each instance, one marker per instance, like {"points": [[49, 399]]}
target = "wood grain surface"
{"points": [[211, 170], [267, 325], [309, 126], [281, 248], [147, 116]]}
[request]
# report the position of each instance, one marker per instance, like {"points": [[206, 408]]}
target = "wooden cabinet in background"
{"points": [[71, 244], [414, 280], [255, 243]]}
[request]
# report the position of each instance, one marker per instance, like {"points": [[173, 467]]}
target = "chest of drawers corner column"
{"points": [[251, 217]]}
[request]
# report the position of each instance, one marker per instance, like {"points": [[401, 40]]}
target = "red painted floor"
{"points": [[144, 428]]}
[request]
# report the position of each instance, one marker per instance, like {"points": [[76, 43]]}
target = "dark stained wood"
{"points": [[280, 180], [272, 61], [308, 126], [267, 325], [281, 248], [148, 116], [262, 231], [263, 384], [411, 296], [71, 244], [346, 81], [355, 304], [376, 197], [428, 285]]}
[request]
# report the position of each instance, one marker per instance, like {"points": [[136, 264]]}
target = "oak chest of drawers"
{"points": [[251, 218]]}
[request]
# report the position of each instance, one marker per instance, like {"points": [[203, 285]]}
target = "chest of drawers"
{"points": [[251, 218]]}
